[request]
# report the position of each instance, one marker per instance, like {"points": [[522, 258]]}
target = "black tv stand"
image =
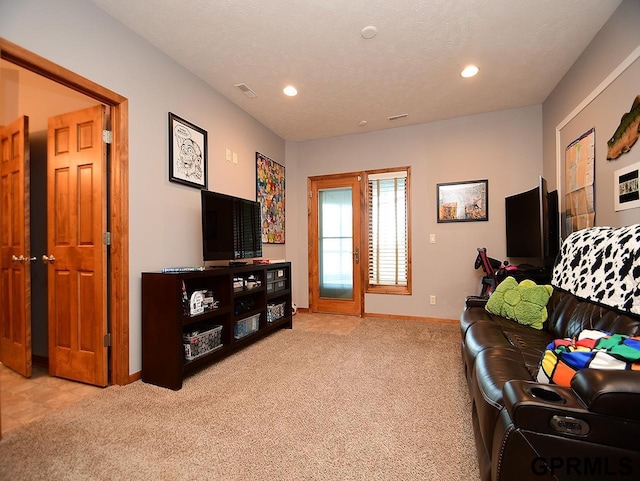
{"points": [[253, 301]]}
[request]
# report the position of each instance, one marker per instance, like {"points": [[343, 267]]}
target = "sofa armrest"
{"points": [[611, 392], [554, 410], [475, 301]]}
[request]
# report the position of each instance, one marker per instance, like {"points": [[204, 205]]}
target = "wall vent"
{"points": [[247, 91]]}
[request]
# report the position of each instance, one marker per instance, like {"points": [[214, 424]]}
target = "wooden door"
{"points": [[335, 275], [15, 265], [15, 271], [76, 257]]}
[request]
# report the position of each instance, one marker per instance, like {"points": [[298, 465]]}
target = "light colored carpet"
{"points": [[386, 402]]}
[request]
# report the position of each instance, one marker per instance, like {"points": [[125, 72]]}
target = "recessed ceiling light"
{"points": [[469, 71], [290, 90], [369, 32]]}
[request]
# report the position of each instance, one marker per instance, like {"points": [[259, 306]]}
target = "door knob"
{"points": [[17, 259], [49, 259]]}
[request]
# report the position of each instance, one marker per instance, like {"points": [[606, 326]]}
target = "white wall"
{"points": [[617, 39], [164, 218], [503, 147]]}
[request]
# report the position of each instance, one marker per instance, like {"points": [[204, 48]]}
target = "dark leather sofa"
{"points": [[527, 430]]}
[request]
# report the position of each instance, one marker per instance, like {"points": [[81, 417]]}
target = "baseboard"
{"points": [[136, 376], [41, 361]]}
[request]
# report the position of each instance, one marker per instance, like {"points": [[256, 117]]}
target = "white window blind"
{"points": [[388, 229]]}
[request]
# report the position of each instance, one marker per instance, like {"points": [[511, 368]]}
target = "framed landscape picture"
{"points": [[270, 194], [463, 201], [187, 153]]}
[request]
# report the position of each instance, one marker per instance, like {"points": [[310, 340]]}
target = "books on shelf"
{"points": [[267, 261], [182, 269]]}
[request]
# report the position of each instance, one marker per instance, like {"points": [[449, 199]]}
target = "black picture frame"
{"points": [[466, 201], [187, 153]]}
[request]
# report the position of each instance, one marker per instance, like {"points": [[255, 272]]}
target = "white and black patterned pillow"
{"points": [[602, 264]]}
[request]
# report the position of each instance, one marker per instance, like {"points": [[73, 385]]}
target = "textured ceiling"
{"points": [[522, 47]]}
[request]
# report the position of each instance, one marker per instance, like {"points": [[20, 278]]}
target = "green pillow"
{"points": [[525, 303]]}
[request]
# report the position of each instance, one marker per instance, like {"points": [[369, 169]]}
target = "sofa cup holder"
{"points": [[548, 395]]}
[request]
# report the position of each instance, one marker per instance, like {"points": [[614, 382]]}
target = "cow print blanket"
{"points": [[602, 264]]}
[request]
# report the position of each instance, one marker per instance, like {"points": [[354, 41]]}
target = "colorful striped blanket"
{"points": [[595, 349]]}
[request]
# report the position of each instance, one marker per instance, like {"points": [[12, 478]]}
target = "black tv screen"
{"points": [[531, 223], [231, 227]]}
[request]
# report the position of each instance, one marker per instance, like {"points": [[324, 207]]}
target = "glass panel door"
{"points": [[335, 232], [335, 280]]}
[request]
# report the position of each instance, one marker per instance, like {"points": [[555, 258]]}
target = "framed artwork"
{"points": [[463, 201], [187, 153], [625, 187], [270, 194]]}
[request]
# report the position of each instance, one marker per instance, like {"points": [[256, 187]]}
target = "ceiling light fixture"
{"points": [[290, 91], [469, 71]]}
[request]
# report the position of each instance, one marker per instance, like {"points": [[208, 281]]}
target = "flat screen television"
{"points": [[231, 227], [532, 223]]}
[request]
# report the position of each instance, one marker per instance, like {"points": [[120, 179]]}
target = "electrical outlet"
{"points": [[432, 238], [228, 155], [235, 158], [432, 300]]}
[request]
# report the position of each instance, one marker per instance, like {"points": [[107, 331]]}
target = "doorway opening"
{"points": [[117, 174]]}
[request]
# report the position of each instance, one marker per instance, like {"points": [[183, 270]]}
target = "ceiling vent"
{"points": [[247, 91], [398, 117]]}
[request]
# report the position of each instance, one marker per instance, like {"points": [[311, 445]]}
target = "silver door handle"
{"points": [[22, 259], [49, 259]]}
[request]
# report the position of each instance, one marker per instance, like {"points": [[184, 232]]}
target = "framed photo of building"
{"points": [[187, 153], [463, 201]]}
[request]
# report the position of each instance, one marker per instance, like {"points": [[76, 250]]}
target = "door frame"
{"points": [[359, 223], [118, 171]]}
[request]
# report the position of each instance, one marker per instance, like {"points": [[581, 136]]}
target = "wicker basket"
{"points": [[199, 344]]}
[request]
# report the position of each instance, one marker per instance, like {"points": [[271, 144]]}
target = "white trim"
{"points": [[626, 63]]}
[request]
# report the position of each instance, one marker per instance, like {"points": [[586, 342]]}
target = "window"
{"points": [[389, 232]]}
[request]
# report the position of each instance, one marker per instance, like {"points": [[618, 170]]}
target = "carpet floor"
{"points": [[386, 402]]}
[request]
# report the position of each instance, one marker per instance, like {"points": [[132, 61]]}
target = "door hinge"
{"points": [[107, 340], [310, 194], [106, 136], [106, 238]]}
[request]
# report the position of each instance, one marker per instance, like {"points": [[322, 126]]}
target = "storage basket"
{"points": [[246, 326], [275, 311], [200, 343]]}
